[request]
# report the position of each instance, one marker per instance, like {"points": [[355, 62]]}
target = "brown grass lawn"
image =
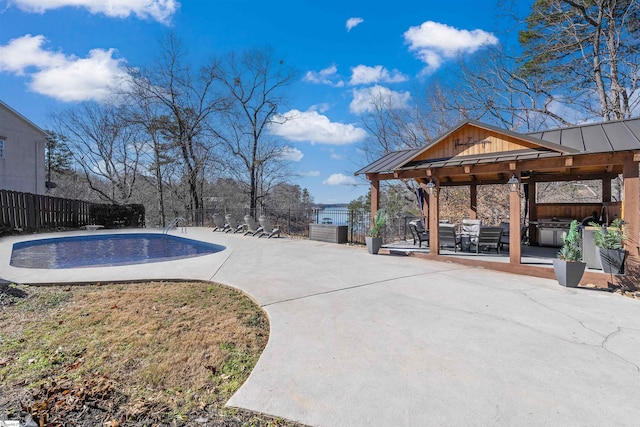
{"points": [[128, 354]]}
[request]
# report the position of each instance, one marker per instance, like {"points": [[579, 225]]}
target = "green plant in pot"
{"points": [[569, 267], [610, 243], [374, 241]]}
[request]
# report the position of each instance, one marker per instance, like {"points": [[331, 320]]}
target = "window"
{"points": [[1, 148]]}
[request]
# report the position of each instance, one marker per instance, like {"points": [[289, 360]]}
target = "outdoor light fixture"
{"points": [[513, 184], [431, 187]]}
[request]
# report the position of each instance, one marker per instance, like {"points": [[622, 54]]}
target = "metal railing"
{"points": [[174, 223], [295, 222]]}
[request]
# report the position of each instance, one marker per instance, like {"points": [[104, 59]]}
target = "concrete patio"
{"points": [[363, 340]]}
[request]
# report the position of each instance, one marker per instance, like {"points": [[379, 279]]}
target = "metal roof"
{"points": [[604, 137], [389, 162], [621, 135], [481, 159]]}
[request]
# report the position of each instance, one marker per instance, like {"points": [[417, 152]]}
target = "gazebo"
{"points": [[474, 153]]}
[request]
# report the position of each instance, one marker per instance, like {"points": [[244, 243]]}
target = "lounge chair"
{"points": [[252, 228], [220, 225], [489, 238], [419, 233], [448, 237], [266, 226], [232, 225]]}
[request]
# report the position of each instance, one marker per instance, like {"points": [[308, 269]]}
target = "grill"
{"points": [[549, 231]]}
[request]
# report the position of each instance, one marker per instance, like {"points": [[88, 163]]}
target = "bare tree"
{"points": [[580, 61], [489, 88], [586, 50], [255, 81], [105, 147], [186, 101], [146, 113], [392, 127]]}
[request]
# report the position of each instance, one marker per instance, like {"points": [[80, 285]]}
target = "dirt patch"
{"points": [[128, 354]]}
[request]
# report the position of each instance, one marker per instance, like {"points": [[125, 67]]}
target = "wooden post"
{"points": [[631, 205], [473, 201], [606, 190], [514, 224], [375, 198], [425, 206], [533, 216], [434, 219]]}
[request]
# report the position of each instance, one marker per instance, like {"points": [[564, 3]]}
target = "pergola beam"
{"points": [[609, 162]]}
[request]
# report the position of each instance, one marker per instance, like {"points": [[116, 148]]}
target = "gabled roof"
{"points": [[23, 118], [524, 137], [622, 135]]}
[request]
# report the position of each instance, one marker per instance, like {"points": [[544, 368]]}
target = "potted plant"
{"points": [[374, 241], [569, 267], [610, 241]]}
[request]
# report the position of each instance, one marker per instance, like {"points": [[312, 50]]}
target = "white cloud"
{"points": [[63, 77], [322, 108], [365, 99], [339, 179], [309, 173], [434, 42], [316, 128], [25, 52], [291, 153], [353, 22], [335, 156], [160, 10], [327, 76], [363, 74]]}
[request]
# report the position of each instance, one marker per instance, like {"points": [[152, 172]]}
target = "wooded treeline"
{"points": [[179, 139]]}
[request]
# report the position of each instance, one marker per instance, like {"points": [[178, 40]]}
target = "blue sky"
{"points": [[56, 53]]}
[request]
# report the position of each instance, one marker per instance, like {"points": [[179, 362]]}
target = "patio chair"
{"points": [[419, 233], [448, 237], [471, 228], [504, 239], [489, 238], [220, 225], [252, 228], [233, 226], [266, 226]]}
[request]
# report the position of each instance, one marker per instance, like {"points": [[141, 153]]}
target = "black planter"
{"points": [[568, 273], [612, 260]]}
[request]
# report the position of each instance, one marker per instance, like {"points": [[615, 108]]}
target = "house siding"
{"points": [[23, 166]]}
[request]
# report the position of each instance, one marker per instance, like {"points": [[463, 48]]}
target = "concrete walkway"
{"points": [[363, 340]]}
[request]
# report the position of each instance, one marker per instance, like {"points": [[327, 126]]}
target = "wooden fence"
{"points": [[36, 212]]}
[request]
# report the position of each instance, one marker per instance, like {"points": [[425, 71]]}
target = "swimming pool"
{"points": [[103, 250]]}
